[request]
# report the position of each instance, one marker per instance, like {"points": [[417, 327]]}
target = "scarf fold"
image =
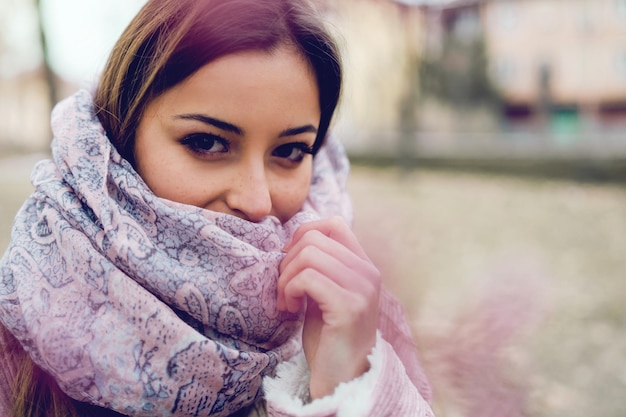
{"points": [[140, 304]]}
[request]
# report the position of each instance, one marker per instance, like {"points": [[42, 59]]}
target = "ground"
{"points": [[554, 248], [527, 273]]}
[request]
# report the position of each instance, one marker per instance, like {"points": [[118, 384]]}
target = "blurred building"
{"points": [[556, 66], [556, 63], [25, 110], [379, 41]]}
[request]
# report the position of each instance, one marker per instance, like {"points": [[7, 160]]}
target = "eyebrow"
{"points": [[220, 124], [229, 127], [298, 130]]}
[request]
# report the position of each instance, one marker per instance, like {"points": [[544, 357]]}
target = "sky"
{"points": [[80, 34]]}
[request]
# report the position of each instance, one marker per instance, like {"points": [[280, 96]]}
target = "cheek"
{"points": [[291, 195], [164, 182], [184, 185], [170, 177]]}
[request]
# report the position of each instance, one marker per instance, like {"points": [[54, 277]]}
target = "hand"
{"points": [[327, 271]]}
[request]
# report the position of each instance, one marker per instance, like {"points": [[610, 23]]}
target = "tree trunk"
{"points": [[48, 73]]}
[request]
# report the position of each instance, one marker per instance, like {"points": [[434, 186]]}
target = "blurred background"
{"points": [[489, 146]]}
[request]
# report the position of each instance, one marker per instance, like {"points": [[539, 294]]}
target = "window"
{"points": [[467, 25], [621, 8], [505, 16], [584, 19], [503, 70], [620, 65], [547, 17]]}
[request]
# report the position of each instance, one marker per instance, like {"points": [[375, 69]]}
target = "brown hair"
{"points": [[36, 393], [169, 40]]}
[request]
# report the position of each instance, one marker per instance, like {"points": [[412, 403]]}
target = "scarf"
{"points": [[140, 304]]}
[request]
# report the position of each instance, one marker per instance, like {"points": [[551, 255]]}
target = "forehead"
{"points": [[240, 85]]}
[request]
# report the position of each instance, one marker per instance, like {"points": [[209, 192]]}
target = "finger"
{"points": [[336, 229], [316, 238], [310, 283], [353, 266], [340, 265]]}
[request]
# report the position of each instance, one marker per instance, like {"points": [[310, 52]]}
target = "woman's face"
{"points": [[235, 137]]}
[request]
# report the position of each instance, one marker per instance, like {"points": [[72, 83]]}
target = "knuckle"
{"points": [[358, 305], [309, 254], [337, 222], [372, 294], [372, 274], [312, 236], [308, 272], [373, 271]]}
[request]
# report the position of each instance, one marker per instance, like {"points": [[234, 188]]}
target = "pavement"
{"points": [[515, 287]]}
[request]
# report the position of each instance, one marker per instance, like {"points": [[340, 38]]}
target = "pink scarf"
{"points": [[139, 304]]}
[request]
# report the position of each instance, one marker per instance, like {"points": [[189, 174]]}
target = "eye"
{"points": [[206, 143], [293, 152]]}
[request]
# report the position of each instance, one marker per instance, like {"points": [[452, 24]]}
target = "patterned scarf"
{"points": [[143, 305]]}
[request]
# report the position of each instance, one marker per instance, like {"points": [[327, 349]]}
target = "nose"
{"points": [[249, 195]]}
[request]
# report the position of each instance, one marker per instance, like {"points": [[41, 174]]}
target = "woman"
{"points": [[188, 251]]}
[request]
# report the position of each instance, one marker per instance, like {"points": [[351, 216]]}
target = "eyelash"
{"points": [[193, 143], [301, 146]]}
